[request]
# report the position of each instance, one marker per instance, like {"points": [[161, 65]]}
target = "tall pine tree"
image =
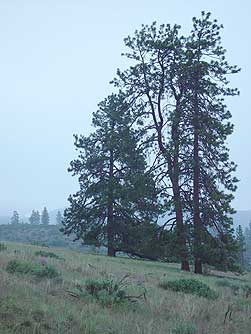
{"points": [[117, 196], [178, 84]]}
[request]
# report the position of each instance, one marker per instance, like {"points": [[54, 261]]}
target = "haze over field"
{"points": [[56, 61]]}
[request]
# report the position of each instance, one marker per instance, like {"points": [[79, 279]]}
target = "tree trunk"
{"points": [[110, 218], [174, 174], [181, 230], [110, 250], [196, 189]]}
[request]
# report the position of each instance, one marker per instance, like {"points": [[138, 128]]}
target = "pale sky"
{"points": [[56, 60]]}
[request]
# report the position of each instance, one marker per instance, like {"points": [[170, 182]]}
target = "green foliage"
{"points": [[188, 134], [191, 286], [47, 254], [34, 269], [3, 247], [117, 194], [107, 292]]}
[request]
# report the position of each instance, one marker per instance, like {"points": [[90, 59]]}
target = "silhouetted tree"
{"points": [[59, 218], [240, 238], [45, 219], [15, 218], [35, 217]]}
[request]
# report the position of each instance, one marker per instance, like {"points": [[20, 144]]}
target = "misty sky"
{"points": [[56, 60]]}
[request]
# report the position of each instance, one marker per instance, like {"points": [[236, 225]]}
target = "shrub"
{"points": [[106, 291], [2, 247], [191, 286], [34, 269], [47, 254]]}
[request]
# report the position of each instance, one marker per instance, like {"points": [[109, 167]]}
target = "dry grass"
{"points": [[32, 306]]}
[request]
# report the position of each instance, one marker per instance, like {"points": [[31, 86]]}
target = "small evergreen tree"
{"points": [[59, 218], [45, 219], [35, 217], [247, 254], [241, 246], [15, 218]]}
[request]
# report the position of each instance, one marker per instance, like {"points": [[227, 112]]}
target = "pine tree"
{"points": [[152, 85], [45, 218], [15, 218], [35, 217], [116, 193], [59, 218], [207, 127], [241, 246], [178, 84], [247, 254]]}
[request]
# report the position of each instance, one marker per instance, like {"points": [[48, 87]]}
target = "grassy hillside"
{"points": [[55, 291], [47, 235]]}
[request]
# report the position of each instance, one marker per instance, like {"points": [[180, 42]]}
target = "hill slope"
{"points": [[46, 235], [32, 304]]}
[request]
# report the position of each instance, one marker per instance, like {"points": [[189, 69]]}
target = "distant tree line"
{"points": [[36, 219], [155, 176]]}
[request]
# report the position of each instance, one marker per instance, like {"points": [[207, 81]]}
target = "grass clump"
{"points": [[183, 327], [47, 254], [191, 286], [247, 290], [235, 288], [34, 269], [3, 247]]}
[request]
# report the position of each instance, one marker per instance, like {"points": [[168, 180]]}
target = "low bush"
{"points": [[47, 254], [106, 291], [191, 286], [34, 269]]}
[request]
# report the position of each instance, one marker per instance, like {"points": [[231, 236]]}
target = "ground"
{"points": [[33, 305]]}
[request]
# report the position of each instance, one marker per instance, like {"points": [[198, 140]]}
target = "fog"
{"points": [[56, 61]]}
